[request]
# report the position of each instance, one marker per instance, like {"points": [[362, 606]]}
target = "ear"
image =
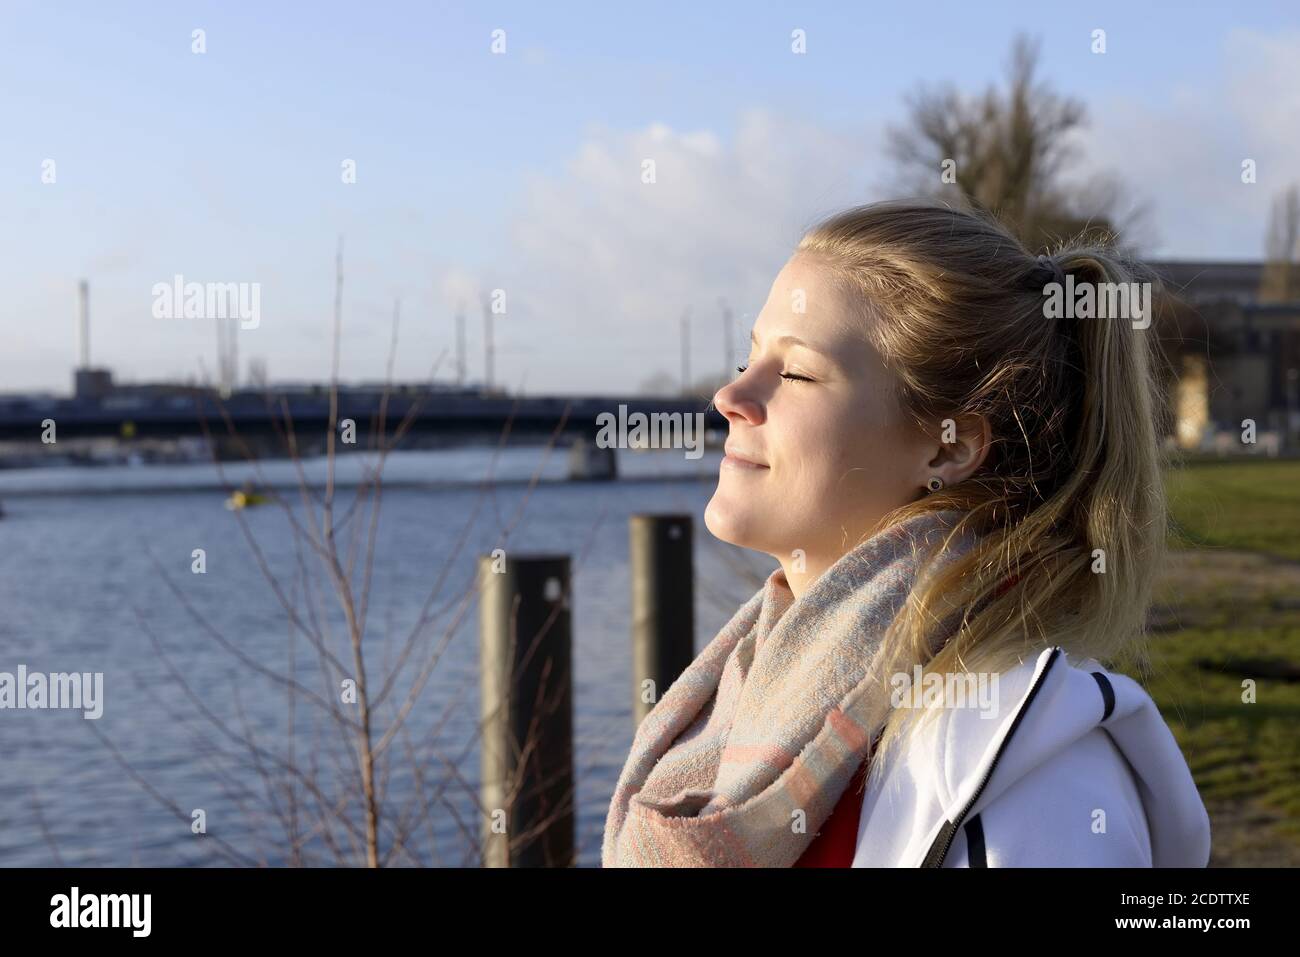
{"points": [[962, 448]]}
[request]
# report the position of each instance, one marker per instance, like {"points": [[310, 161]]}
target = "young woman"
{"points": [[962, 485]]}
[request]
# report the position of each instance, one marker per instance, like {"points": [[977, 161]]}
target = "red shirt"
{"points": [[834, 844]]}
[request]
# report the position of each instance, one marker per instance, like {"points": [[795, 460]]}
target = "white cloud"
{"points": [[601, 265], [1263, 89], [1184, 157]]}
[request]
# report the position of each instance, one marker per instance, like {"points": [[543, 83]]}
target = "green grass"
{"points": [[1236, 750], [1251, 504], [1245, 757]]}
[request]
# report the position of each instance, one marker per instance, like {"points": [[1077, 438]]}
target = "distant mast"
{"points": [[460, 347], [83, 324], [686, 351], [488, 346]]}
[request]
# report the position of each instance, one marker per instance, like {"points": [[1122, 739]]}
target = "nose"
{"points": [[735, 401]]}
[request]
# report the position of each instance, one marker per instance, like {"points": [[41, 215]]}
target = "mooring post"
{"points": [[663, 606], [526, 681], [589, 461]]}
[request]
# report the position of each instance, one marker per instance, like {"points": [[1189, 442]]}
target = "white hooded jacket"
{"points": [[1076, 769]]}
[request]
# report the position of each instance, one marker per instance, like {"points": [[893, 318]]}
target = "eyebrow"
{"points": [[792, 340]]}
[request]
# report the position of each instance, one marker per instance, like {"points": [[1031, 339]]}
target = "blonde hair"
{"points": [[954, 305]]}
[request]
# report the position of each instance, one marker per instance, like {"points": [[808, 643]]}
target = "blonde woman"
{"points": [[962, 488]]}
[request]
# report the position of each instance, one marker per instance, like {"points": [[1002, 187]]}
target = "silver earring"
{"points": [[934, 484]]}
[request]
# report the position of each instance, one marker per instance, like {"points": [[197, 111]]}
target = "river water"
{"points": [[96, 575]]}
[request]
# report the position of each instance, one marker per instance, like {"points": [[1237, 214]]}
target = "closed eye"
{"points": [[784, 375]]}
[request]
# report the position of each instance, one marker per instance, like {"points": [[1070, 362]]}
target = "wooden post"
{"points": [[588, 461], [663, 606], [526, 680]]}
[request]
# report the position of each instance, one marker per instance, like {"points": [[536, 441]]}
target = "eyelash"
{"points": [[788, 376]]}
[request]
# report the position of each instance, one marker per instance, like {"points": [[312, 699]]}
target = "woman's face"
{"points": [[817, 449]]}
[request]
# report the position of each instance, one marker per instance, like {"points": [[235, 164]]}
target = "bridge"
{"points": [[261, 415]]}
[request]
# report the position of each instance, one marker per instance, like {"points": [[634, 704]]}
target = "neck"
{"points": [[802, 572]]}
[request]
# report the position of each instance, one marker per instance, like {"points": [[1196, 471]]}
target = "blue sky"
{"points": [[521, 171]]}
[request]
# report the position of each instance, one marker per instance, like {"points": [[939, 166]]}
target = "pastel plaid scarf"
{"points": [[746, 754]]}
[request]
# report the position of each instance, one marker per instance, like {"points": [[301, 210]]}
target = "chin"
{"points": [[721, 520], [733, 522]]}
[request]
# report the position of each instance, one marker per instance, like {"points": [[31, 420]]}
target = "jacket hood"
{"points": [[1046, 716]]}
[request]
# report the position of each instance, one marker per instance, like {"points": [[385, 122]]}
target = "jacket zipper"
{"points": [[939, 849]]}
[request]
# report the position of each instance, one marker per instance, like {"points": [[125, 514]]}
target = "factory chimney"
{"points": [[87, 382]]}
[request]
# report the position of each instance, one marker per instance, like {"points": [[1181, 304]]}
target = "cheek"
{"points": [[806, 449], [858, 456]]}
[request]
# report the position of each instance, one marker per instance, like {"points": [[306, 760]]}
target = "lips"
{"points": [[741, 459]]}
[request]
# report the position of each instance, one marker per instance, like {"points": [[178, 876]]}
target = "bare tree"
{"points": [[660, 384], [257, 374], [325, 799], [1281, 279], [1005, 152]]}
